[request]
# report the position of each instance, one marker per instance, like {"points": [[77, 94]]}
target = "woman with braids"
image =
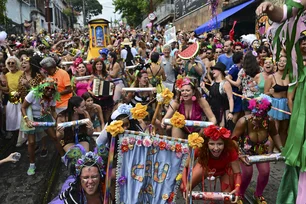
{"points": [[218, 157], [87, 186], [190, 103], [75, 135], [253, 131], [42, 100]]}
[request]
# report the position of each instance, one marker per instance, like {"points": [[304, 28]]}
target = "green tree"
{"points": [[133, 10], [92, 7], [3, 12]]}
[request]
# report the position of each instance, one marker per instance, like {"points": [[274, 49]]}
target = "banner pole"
{"points": [[109, 171]]}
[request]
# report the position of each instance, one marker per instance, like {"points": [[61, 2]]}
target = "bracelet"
{"points": [[25, 117], [237, 185], [231, 112], [194, 64]]}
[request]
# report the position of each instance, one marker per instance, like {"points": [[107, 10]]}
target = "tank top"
{"points": [[261, 84]]}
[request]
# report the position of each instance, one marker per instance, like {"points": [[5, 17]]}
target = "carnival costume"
{"points": [[71, 191], [197, 111], [290, 29], [260, 120], [215, 167], [40, 105]]}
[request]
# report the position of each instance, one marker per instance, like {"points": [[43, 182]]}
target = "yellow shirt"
{"points": [[12, 80]]}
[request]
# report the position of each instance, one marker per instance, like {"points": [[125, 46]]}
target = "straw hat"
{"points": [[126, 41]]}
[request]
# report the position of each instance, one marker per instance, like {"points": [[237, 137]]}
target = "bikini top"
{"points": [[278, 88]]}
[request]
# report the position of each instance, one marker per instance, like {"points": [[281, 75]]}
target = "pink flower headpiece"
{"points": [[260, 106], [77, 61], [182, 81], [219, 45]]}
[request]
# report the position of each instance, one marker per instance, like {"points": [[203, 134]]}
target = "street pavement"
{"points": [[17, 187]]}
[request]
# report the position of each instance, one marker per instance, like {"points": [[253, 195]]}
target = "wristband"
{"points": [[231, 112], [25, 117], [194, 64], [237, 185]]}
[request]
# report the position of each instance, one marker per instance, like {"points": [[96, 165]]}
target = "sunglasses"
{"points": [[218, 52], [208, 53], [50, 89], [12, 63]]}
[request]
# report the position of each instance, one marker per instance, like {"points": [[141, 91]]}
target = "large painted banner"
{"points": [[149, 169]]}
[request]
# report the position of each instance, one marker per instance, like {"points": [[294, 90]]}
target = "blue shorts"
{"points": [[237, 104]]}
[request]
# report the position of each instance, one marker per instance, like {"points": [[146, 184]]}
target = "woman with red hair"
{"points": [[217, 157]]}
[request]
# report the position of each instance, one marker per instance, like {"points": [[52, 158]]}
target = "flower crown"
{"points": [[89, 157], [182, 81], [260, 106], [214, 132]]}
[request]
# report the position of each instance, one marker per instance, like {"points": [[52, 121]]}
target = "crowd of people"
{"points": [[232, 84]]}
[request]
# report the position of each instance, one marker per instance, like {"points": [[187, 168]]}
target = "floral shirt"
{"points": [[247, 82]]}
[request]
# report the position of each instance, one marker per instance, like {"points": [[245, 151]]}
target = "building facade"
{"points": [[32, 15]]}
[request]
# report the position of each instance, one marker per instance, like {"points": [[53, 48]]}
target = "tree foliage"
{"points": [[92, 7], [2, 11], [134, 10]]}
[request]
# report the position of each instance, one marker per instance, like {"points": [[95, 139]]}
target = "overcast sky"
{"points": [[108, 10]]}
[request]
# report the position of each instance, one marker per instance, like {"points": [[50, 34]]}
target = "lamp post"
{"points": [[84, 13]]}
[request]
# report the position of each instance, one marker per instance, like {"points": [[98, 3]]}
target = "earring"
{"points": [[193, 98], [181, 98]]}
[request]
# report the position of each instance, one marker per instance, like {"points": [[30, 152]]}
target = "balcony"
{"points": [[163, 12]]}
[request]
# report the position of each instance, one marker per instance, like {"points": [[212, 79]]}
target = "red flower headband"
{"points": [[182, 81], [214, 132]]}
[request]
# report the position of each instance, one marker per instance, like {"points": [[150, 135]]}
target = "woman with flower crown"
{"points": [[189, 103], [253, 131], [217, 157], [42, 100], [87, 183]]}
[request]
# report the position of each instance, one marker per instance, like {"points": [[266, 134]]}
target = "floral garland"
{"points": [[214, 132]]}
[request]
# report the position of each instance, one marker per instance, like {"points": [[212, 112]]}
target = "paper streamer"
{"points": [[213, 196], [82, 78], [280, 110], [241, 96], [192, 123], [131, 67], [139, 89], [73, 123], [43, 124], [71, 63], [265, 158]]}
